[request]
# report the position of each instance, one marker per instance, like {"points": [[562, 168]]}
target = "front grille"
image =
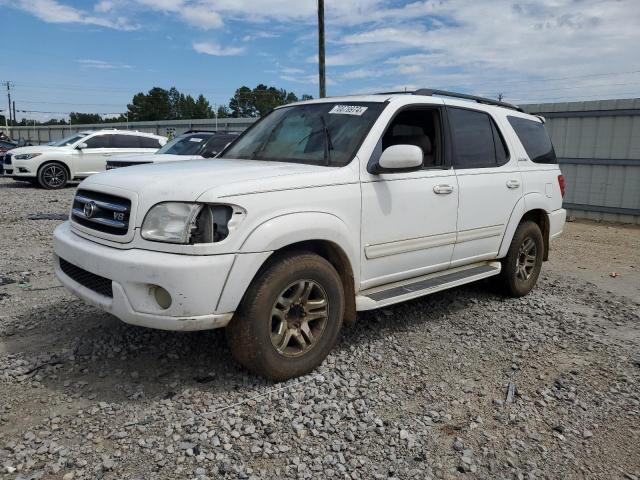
{"points": [[118, 164], [7, 158], [90, 280], [102, 212]]}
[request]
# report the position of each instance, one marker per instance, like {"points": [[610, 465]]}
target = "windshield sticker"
{"points": [[195, 139], [348, 110]]}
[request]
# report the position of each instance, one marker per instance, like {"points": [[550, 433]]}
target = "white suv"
{"points": [[319, 210], [75, 157]]}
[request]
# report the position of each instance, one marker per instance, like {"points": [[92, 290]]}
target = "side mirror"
{"points": [[209, 154], [401, 157], [82, 146]]}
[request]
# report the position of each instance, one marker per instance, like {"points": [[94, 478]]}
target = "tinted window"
{"points": [[502, 154], [125, 141], [217, 142], [473, 137], [149, 142], [534, 139], [99, 141]]}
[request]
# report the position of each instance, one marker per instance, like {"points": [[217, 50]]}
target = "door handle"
{"points": [[442, 189], [107, 154], [513, 183]]}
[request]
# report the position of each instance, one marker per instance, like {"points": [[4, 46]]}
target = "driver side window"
{"points": [[419, 127], [99, 141]]}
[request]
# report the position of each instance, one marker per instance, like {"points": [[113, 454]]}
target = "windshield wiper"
{"points": [[263, 145], [328, 145]]}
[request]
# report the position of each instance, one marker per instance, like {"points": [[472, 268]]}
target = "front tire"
{"points": [[521, 267], [290, 317], [52, 176]]}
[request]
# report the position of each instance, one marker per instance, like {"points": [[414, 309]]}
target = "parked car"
{"points": [[319, 210], [5, 146], [191, 145], [75, 157]]}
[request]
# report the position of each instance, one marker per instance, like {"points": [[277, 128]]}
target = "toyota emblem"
{"points": [[90, 209]]}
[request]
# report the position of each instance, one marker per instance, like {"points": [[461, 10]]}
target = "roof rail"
{"points": [[444, 93], [429, 92]]}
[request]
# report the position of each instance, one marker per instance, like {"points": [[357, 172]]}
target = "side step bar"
{"points": [[417, 287]]}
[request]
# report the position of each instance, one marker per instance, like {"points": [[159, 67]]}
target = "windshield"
{"points": [[189, 145], [68, 140], [318, 134]]}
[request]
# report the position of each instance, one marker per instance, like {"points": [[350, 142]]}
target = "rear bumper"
{"points": [[557, 219], [195, 283]]}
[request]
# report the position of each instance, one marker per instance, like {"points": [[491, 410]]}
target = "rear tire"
{"points": [[290, 317], [521, 267], [53, 176]]}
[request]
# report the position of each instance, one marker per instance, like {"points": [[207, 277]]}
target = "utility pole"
{"points": [[8, 85], [15, 119], [323, 90]]}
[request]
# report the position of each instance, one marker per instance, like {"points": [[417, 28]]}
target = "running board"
{"points": [[417, 287]]}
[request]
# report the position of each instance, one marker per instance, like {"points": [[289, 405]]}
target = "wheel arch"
{"points": [[533, 207], [59, 162], [321, 233]]}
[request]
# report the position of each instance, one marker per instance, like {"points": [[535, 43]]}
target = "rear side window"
{"points": [[149, 142], [477, 140], [534, 139]]}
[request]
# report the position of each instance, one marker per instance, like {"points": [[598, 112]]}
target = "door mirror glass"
{"points": [[401, 157], [209, 154], [82, 146]]}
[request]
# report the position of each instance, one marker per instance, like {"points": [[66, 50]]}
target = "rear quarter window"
{"points": [[534, 139], [149, 142]]}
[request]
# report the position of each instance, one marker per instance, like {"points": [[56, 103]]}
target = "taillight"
{"points": [[561, 183]]}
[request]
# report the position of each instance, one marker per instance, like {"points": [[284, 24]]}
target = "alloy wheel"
{"points": [[526, 263], [298, 318], [53, 176]]}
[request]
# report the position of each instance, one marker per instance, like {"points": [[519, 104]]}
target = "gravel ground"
{"points": [[461, 384]]}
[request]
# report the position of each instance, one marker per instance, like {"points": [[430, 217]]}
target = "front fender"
{"points": [[279, 232]]}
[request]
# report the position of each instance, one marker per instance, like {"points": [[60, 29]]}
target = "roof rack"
{"points": [[429, 92], [197, 130]]}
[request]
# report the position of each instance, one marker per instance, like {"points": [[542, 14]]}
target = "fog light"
{"points": [[162, 297]]}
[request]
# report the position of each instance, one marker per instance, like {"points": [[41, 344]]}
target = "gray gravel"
{"points": [[462, 384]]}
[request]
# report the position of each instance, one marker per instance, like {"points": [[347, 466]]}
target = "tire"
{"points": [[297, 300], [521, 267], [53, 176]]}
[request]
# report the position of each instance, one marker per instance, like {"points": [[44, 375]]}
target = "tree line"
{"points": [[161, 104]]}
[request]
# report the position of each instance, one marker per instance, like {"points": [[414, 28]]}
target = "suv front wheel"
{"points": [[521, 267], [52, 176], [290, 317]]}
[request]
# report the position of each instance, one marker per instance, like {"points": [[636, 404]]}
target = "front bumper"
{"points": [[195, 283]]}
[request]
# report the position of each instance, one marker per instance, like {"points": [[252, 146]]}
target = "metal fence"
{"points": [[597, 142], [598, 147]]}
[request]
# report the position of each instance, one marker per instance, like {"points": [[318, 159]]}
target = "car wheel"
{"points": [[521, 267], [290, 317], [52, 176]]}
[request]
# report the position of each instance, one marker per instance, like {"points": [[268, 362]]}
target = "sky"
{"points": [[94, 55]]}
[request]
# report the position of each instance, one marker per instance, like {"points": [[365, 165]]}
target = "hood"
{"points": [[38, 149], [186, 181]]}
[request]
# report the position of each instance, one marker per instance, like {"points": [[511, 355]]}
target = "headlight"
{"points": [[26, 156], [188, 223]]}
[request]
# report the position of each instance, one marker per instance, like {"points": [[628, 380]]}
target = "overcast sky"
{"points": [[92, 56]]}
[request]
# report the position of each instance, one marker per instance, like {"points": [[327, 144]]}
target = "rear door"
{"points": [[489, 183]]}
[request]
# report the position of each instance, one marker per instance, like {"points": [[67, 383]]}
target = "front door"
{"points": [[93, 158], [409, 218], [489, 184]]}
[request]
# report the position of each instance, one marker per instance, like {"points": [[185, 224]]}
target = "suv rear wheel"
{"points": [[521, 267], [290, 317], [52, 176]]}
